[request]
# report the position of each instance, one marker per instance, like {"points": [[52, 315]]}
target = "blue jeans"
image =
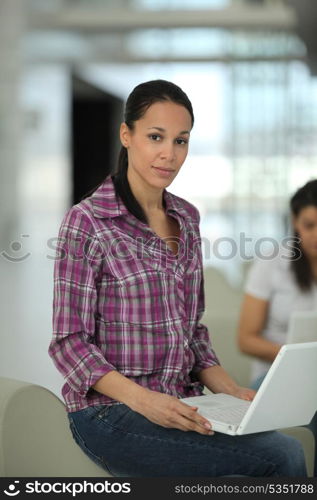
{"points": [[127, 444], [312, 426]]}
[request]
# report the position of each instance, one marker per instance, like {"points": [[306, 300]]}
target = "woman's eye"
{"points": [[155, 137], [181, 141]]}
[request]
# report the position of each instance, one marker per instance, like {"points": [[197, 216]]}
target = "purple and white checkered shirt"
{"points": [[123, 301]]}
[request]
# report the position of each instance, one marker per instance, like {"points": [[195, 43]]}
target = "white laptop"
{"points": [[286, 398], [302, 327]]}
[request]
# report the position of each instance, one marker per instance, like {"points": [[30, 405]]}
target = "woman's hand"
{"points": [[244, 393], [170, 412], [216, 379]]}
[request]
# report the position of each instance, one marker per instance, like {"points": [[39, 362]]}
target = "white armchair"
{"points": [[35, 439]]}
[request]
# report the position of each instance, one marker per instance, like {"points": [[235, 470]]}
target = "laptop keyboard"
{"points": [[228, 415]]}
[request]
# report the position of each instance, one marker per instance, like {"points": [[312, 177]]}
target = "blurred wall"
{"points": [[11, 30]]}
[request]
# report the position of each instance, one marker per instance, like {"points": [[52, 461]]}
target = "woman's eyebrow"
{"points": [[160, 129]]}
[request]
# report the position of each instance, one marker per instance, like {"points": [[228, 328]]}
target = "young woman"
{"points": [[128, 299], [277, 287]]}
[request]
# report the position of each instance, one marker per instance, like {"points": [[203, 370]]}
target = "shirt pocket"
{"points": [[136, 350], [147, 297]]}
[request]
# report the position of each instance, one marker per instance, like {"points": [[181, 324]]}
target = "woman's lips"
{"points": [[163, 172]]}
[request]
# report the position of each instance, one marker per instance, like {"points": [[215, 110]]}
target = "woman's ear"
{"points": [[125, 135]]}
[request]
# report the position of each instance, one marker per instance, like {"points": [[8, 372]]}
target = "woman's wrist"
{"points": [[137, 397], [118, 387], [216, 379]]}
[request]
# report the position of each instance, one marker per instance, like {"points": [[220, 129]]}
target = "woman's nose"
{"points": [[168, 152]]}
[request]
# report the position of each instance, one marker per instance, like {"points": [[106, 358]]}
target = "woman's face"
{"points": [[306, 226], [158, 144]]}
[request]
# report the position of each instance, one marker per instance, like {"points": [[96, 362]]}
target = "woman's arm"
{"points": [[76, 271], [159, 408], [252, 321]]}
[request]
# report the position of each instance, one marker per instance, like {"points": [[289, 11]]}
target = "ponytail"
{"points": [[122, 187]]}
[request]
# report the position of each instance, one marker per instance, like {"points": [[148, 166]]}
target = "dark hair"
{"points": [[304, 197], [140, 99]]}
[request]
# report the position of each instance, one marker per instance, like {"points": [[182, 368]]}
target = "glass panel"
{"points": [[204, 42], [181, 4]]}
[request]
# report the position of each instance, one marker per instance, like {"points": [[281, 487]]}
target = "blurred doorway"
{"points": [[95, 120]]}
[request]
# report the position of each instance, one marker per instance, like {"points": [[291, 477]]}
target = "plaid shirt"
{"points": [[123, 301]]}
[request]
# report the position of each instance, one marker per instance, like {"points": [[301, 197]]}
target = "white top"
{"points": [[273, 280]]}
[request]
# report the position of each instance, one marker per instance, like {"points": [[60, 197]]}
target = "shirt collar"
{"points": [[175, 204], [106, 204]]}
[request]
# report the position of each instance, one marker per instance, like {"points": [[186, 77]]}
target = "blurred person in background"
{"points": [[277, 287], [128, 298]]}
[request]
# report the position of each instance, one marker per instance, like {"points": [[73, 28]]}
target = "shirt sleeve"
{"points": [[259, 281], [76, 272], [201, 345]]}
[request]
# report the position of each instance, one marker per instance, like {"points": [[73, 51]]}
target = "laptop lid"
{"points": [[288, 394], [302, 327]]}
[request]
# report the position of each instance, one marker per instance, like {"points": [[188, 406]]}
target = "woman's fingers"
{"points": [[193, 421], [245, 393], [185, 424]]}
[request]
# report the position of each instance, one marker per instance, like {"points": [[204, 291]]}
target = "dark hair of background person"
{"points": [[304, 197], [141, 98]]}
